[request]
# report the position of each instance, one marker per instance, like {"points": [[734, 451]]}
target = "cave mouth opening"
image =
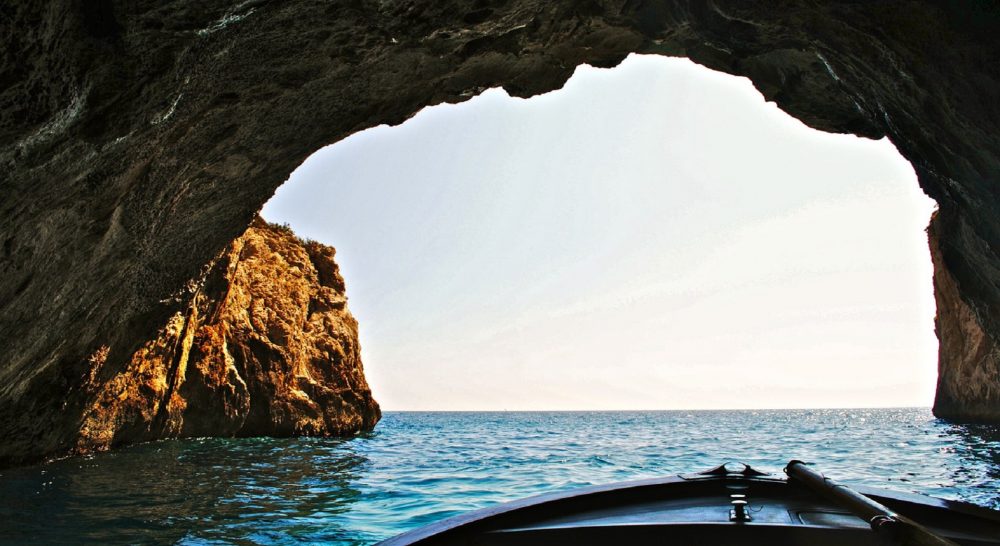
{"points": [[652, 236]]}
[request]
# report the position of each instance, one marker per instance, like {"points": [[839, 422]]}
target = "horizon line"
{"points": [[643, 410]]}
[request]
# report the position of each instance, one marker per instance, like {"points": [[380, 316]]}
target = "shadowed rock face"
{"points": [[139, 139], [267, 346], [968, 386]]}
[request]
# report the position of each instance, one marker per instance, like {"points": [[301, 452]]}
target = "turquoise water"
{"points": [[416, 468]]}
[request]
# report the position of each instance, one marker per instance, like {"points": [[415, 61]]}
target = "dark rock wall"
{"points": [[138, 139]]}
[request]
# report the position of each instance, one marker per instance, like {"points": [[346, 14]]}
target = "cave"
{"points": [[139, 140]]}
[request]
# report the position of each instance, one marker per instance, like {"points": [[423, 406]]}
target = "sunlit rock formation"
{"points": [[139, 139], [265, 346]]}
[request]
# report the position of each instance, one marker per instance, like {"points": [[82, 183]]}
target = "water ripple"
{"points": [[417, 468]]}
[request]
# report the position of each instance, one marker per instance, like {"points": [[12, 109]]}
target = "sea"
{"points": [[416, 468]]}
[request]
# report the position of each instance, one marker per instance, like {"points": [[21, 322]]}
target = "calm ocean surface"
{"points": [[416, 468]]}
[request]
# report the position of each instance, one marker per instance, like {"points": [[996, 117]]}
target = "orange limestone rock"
{"points": [[267, 346]]}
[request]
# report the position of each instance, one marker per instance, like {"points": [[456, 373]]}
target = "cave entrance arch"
{"points": [[621, 244], [152, 135]]}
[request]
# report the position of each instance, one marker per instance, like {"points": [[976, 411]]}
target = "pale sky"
{"points": [[653, 236]]}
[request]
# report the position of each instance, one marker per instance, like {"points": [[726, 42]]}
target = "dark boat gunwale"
{"points": [[511, 507], [559, 499]]}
